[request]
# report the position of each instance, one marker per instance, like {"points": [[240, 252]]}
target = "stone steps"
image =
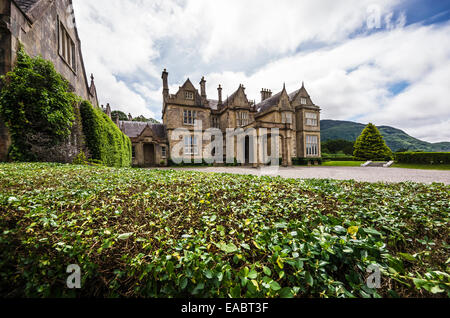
{"points": [[378, 164]]}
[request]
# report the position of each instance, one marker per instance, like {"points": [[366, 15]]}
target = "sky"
{"points": [[380, 61]]}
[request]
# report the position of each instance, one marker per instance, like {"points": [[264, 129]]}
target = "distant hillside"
{"points": [[395, 138]]}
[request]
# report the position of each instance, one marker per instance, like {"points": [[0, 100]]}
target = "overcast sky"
{"points": [[395, 72]]}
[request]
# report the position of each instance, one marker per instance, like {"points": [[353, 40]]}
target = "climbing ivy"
{"points": [[104, 139], [36, 104]]}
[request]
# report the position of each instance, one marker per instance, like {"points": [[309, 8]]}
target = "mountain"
{"points": [[396, 139]]}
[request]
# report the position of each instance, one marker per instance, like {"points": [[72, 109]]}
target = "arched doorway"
{"points": [[149, 155]]}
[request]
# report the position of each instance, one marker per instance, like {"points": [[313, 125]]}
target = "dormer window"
{"points": [[303, 101], [189, 95]]}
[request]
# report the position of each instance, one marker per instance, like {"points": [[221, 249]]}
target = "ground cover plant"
{"points": [[149, 233]]}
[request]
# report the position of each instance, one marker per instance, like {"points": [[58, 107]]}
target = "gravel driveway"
{"points": [[340, 173]]}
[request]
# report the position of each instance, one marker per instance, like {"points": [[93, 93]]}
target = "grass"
{"points": [[151, 233], [421, 166], [342, 163]]}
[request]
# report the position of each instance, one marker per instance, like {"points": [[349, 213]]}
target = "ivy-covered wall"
{"points": [[39, 112], [104, 139]]}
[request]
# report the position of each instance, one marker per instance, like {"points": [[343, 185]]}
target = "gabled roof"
{"points": [[231, 98], [134, 129], [26, 5], [268, 103], [271, 102]]}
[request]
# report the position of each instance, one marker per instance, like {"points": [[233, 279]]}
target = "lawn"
{"points": [[150, 233], [342, 163], [421, 166]]}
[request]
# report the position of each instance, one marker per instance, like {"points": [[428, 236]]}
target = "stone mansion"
{"points": [[294, 114]]}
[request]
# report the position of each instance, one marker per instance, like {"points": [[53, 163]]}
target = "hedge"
{"points": [[306, 161], [104, 139], [423, 157]]}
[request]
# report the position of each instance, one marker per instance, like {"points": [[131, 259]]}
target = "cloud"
{"points": [[349, 69]]}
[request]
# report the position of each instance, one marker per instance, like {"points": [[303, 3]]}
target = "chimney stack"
{"points": [[220, 94], [130, 118], [108, 110], [265, 94], [165, 77], [203, 87]]}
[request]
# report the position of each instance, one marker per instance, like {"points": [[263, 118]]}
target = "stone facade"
{"points": [[295, 115], [46, 28]]}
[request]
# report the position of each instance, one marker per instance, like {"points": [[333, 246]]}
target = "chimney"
{"points": [[165, 77], [117, 121], [220, 94], [203, 87], [108, 110], [130, 118], [265, 94]]}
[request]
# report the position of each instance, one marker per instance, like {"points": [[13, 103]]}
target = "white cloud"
{"points": [[127, 43]]}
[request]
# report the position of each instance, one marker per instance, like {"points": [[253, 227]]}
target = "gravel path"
{"points": [[391, 175]]}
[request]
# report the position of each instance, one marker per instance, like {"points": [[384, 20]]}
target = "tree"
{"points": [[122, 115], [145, 120], [371, 145], [337, 146]]}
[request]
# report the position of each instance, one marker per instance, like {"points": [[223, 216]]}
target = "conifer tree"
{"points": [[371, 145]]}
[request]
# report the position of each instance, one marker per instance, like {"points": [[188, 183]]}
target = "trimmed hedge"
{"points": [[104, 139], [305, 161], [423, 157]]}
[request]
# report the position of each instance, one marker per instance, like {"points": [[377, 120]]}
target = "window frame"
{"points": [[163, 152], [311, 121], [189, 117], [303, 100], [190, 145], [66, 47], [312, 145], [188, 95]]}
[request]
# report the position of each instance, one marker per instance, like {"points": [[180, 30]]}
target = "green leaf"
{"points": [[286, 293], [267, 271], [125, 236], [227, 248], [274, 285], [253, 274], [235, 292], [309, 279], [407, 257], [183, 283], [437, 290]]}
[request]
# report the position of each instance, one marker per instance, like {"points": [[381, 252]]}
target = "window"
{"points": [[189, 117], [286, 118], [242, 119], [189, 95], [312, 145], [163, 152], [303, 101], [190, 145], [311, 119], [67, 47], [133, 151]]}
